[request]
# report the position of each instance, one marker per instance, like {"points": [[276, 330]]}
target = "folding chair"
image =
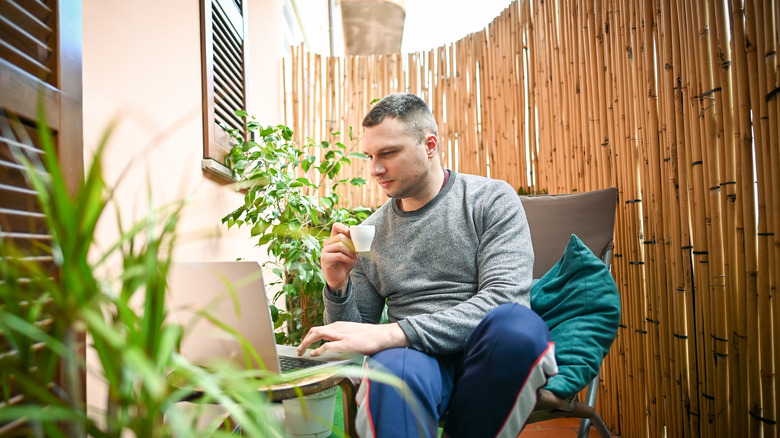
{"points": [[552, 220]]}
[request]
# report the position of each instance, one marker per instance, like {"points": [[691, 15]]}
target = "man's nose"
{"points": [[376, 168]]}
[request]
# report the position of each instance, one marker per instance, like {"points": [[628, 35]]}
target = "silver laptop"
{"points": [[233, 293]]}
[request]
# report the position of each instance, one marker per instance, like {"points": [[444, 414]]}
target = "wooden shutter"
{"points": [[222, 46], [40, 57]]}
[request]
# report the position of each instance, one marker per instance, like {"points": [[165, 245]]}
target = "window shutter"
{"points": [[26, 53], [40, 58], [222, 35]]}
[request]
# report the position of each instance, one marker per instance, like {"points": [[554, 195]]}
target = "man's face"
{"points": [[398, 162]]}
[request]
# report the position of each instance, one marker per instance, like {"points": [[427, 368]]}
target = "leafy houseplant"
{"points": [[291, 200], [45, 315]]}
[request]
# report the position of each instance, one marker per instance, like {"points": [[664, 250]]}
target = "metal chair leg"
{"points": [[584, 428], [590, 400]]}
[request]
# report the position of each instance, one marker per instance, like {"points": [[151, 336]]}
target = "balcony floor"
{"points": [[557, 428]]}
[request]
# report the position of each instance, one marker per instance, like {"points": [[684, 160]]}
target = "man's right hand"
{"points": [[338, 257]]}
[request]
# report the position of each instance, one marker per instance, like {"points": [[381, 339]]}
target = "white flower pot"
{"points": [[312, 416]]}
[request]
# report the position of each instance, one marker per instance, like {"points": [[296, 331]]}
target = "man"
{"points": [[452, 260]]}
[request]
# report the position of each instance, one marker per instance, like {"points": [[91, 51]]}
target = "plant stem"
{"points": [[72, 380]]}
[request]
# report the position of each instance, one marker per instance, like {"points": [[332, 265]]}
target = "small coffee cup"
{"points": [[362, 236]]}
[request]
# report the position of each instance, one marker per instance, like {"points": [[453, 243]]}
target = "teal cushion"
{"points": [[579, 301]]}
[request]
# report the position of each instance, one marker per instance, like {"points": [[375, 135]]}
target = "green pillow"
{"points": [[579, 301]]}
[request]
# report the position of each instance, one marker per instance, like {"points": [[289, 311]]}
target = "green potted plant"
{"points": [[46, 315], [292, 197]]}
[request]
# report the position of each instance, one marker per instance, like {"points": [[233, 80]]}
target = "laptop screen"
{"points": [[232, 293]]}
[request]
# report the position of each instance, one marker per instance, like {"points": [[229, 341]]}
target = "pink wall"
{"points": [[142, 70]]}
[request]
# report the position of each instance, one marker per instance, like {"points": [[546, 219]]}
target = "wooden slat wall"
{"points": [[676, 103]]}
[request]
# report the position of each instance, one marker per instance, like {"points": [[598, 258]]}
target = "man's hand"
{"points": [[354, 337], [338, 257]]}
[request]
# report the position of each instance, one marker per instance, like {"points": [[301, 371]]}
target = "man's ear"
{"points": [[431, 144]]}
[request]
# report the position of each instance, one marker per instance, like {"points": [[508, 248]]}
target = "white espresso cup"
{"points": [[362, 236]]}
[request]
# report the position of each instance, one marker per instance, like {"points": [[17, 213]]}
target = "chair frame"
{"points": [[549, 405]]}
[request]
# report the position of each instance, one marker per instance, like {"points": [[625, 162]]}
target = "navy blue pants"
{"points": [[488, 391]]}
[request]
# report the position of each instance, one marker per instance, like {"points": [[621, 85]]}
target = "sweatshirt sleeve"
{"points": [[360, 303], [339, 308], [504, 271]]}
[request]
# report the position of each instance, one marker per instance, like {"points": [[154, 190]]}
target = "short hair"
{"points": [[410, 109]]}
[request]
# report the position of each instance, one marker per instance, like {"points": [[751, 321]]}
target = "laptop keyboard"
{"points": [[287, 363]]}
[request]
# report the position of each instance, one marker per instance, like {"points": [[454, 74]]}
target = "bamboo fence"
{"points": [[676, 103]]}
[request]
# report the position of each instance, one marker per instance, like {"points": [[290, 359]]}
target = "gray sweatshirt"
{"points": [[441, 268]]}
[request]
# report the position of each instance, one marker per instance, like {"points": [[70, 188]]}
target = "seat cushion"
{"points": [[579, 301]]}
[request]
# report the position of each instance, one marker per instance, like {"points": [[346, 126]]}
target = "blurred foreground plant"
{"points": [[53, 301]]}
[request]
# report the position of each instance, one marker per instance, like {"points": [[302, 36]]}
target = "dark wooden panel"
{"points": [[40, 62], [229, 77], [227, 38], [22, 221], [26, 37], [18, 198], [24, 61], [21, 16], [230, 66], [22, 40], [30, 246], [228, 98], [23, 101], [226, 116], [39, 9]]}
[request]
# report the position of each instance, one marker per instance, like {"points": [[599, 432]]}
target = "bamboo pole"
{"points": [[459, 105], [737, 366], [654, 239], [772, 65], [693, 158], [573, 98], [769, 89], [518, 92], [746, 221], [285, 86], [509, 17], [296, 68], [493, 116], [710, 147], [467, 121], [614, 368], [759, 108], [626, 137], [602, 103], [625, 401], [589, 107], [566, 151], [533, 114], [638, 147], [583, 95], [634, 385], [678, 284], [556, 109], [687, 239]]}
